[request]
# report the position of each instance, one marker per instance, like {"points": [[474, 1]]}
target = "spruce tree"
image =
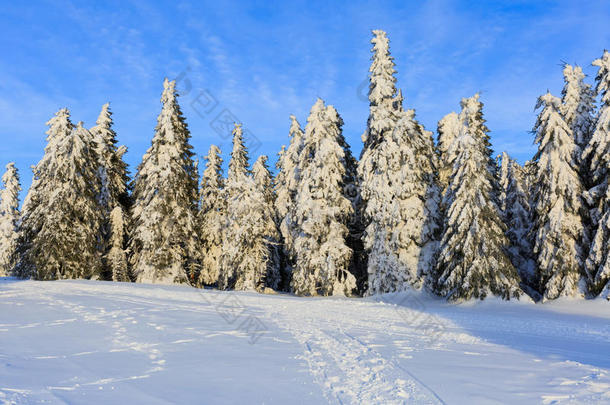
{"points": [[597, 155], [473, 261], [211, 217], [322, 212], [400, 187], [515, 207], [246, 257], [264, 182], [9, 217], [448, 131], [163, 240], [113, 196], [560, 238], [286, 186], [60, 229]]}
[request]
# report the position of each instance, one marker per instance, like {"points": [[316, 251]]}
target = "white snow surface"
{"points": [[86, 342]]}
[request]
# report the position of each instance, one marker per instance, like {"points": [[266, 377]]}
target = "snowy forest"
{"points": [[417, 209]]}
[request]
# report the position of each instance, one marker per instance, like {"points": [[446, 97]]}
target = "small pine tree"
{"points": [[515, 207], [473, 260], [322, 212], [60, 229], [211, 217], [560, 237], [9, 217], [597, 155], [116, 257], [163, 239], [448, 130]]}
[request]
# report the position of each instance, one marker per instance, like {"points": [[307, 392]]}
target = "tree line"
{"points": [[412, 212]]}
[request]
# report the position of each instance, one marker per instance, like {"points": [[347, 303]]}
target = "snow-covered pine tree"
{"points": [[597, 155], [264, 182], [515, 207], [448, 130], [560, 238], [245, 258], [382, 92], [9, 217], [114, 196], [60, 229], [473, 260], [211, 217], [322, 212], [351, 190], [578, 105], [400, 187], [163, 239], [286, 186]]}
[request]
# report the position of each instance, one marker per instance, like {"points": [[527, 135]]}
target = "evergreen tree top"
{"points": [[238, 166], [382, 86]]}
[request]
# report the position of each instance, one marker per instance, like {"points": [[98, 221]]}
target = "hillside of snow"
{"points": [[96, 342]]}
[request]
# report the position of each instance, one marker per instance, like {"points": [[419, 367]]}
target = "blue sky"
{"points": [[264, 60]]}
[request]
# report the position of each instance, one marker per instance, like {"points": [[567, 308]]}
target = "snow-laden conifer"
{"points": [[9, 217], [286, 185], [60, 229], [212, 207], [515, 207], [163, 240], [116, 259], [322, 212], [400, 187], [560, 238], [473, 260], [382, 92], [264, 182], [351, 190], [113, 197], [597, 154], [578, 105], [246, 257], [448, 131]]}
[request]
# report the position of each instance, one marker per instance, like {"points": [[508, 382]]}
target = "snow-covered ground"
{"points": [[95, 342]]}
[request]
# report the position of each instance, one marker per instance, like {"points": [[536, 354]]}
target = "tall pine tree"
{"points": [[9, 217], [402, 196], [322, 212], [473, 260], [264, 182], [597, 154], [163, 240], [212, 208], [246, 258], [113, 196], [560, 238], [60, 229]]}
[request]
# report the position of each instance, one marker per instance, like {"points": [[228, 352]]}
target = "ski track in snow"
{"points": [[136, 338]]}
